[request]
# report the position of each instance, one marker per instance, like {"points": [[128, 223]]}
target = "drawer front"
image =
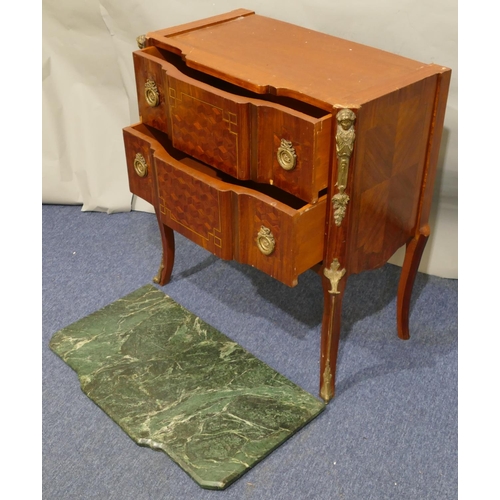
{"points": [[139, 164], [234, 131], [210, 127], [278, 240], [265, 229], [293, 151], [194, 207], [151, 96]]}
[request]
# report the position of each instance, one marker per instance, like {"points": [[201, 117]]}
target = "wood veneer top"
{"points": [[266, 55]]}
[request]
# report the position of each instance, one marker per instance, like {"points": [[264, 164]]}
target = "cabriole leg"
{"points": [[414, 250], [168, 255]]}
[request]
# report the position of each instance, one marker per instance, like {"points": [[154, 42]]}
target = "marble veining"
{"points": [[176, 384]]}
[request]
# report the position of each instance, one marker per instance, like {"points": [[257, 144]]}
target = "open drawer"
{"points": [[257, 225], [266, 138]]}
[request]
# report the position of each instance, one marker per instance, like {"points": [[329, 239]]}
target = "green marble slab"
{"points": [[176, 384]]}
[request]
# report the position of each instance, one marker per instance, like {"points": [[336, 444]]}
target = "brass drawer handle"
{"points": [[265, 240], [140, 165], [286, 155], [151, 93]]}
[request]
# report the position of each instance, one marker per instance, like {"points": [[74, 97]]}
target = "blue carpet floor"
{"points": [[390, 432]]}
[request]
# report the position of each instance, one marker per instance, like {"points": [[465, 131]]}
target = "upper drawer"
{"points": [[265, 138]]}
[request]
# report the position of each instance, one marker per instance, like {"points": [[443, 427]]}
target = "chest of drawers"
{"points": [[287, 149]]}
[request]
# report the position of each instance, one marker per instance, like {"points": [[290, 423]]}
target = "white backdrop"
{"points": [[89, 91]]}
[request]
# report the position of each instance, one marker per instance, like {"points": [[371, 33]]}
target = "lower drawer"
{"points": [[253, 224]]}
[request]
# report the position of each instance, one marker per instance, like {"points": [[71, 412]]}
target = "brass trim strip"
{"points": [[334, 275], [157, 278]]}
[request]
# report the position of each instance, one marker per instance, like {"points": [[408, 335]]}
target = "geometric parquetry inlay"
{"points": [[392, 165], [204, 130], [190, 202]]}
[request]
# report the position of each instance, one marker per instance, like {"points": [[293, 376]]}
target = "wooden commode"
{"points": [[287, 149]]}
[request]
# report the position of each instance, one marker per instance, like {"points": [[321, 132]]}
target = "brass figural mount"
{"points": [[344, 145], [141, 41], [334, 275]]}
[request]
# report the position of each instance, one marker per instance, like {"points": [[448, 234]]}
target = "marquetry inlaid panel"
{"points": [[391, 138], [193, 208], [309, 138], [260, 214], [206, 126]]}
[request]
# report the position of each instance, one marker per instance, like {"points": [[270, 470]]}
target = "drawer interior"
{"points": [[266, 189], [221, 84]]}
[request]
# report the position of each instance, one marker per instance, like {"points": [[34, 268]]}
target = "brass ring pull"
{"points": [[265, 240], [151, 93], [140, 165], [286, 155]]}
